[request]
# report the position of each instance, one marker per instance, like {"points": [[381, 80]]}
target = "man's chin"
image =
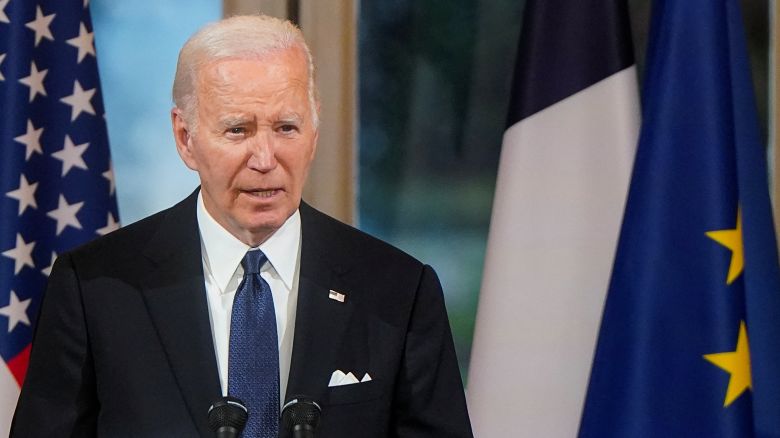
{"points": [[259, 229]]}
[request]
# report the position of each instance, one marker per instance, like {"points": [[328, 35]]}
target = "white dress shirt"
{"points": [[222, 254]]}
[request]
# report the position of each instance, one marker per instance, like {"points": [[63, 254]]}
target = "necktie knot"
{"points": [[253, 261]]}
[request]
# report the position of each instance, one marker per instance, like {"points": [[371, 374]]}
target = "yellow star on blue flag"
{"points": [[736, 363], [732, 239]]}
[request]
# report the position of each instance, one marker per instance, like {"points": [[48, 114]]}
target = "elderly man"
{"points": [[241, 289]]}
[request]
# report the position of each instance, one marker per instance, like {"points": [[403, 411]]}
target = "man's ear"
{"points": [[314, 146], [182, 136]]}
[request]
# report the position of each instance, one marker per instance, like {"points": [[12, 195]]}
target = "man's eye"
{"points": [[237, 131], [286, 129]]}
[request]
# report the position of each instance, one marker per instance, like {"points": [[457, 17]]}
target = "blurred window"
{"points": [[433, 87], [137, 44]]}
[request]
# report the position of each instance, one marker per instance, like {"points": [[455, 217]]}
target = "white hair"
{"points": [[242, 36]]}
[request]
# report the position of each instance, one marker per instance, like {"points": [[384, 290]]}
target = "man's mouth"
{"points": [[262, 193]]}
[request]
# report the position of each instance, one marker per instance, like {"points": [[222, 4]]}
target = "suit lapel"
{"points": [[175, 296], [318, 319]]}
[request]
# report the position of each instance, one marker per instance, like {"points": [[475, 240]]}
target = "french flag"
{"points": [[562, 181]]}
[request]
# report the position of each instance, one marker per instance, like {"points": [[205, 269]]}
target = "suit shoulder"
{"points": [[128, 241], [347, 242]]}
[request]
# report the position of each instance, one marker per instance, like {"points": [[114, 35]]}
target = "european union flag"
{"points": [[690, 338], [56, 181]]}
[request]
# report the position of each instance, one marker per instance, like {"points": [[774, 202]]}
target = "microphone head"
{"points": [[228, 412], [301, 411]]}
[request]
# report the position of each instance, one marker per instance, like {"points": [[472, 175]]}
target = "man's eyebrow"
{"points": [[291, 118], [234, 120]]}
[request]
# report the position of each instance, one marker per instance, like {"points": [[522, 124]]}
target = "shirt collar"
{"points": [[222, 252]]}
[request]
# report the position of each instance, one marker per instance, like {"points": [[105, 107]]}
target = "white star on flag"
{"points": [[25, 194], [22, 254], [3, 17], [31, 140], [2, 58], [47, 270], [111, 225], [109, 175], [79, 101], [65, 214], [85, 42], [35, 81], [41, 26], [16, 311], [71, 155]]}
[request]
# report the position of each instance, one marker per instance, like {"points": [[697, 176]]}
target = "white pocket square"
{"points": [[338, 378]]}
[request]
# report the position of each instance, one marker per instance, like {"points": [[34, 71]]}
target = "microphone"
{"points": [[300, 417], [227, 417]]}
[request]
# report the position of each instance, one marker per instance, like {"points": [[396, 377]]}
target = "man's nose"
{"points": [[262, 152]]}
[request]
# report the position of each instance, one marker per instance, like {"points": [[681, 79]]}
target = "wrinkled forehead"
{"points": [[277, 66], [268, 87]]}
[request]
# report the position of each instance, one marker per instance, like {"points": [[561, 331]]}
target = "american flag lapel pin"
{"points": [[336, 296]]}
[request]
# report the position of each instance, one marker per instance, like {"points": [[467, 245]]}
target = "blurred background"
{"points": [[415, 94]]}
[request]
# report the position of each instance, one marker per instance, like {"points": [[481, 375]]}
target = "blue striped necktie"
{"points": [[253, 360]]}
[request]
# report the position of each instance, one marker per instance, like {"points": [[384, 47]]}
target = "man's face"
{"points": [[254, 141]]}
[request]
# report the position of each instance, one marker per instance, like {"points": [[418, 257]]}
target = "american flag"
{"points": [[56, 180]]}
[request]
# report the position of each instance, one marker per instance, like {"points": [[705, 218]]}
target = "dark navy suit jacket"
{"points": [[123, 346]]}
